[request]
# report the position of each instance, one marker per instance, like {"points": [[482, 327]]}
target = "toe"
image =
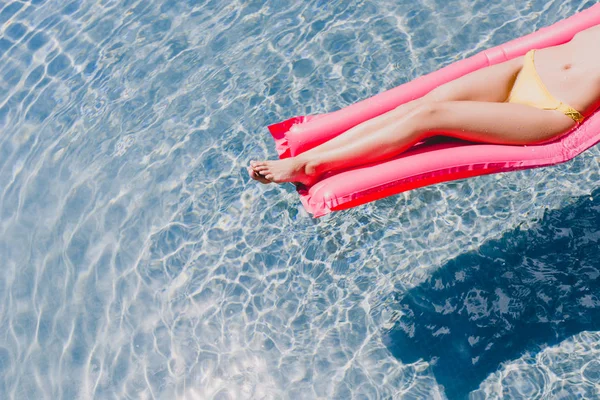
{"points": [[257, 177], [262, 179]]}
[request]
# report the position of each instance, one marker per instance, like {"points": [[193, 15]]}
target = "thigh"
{"points": [[500, 123], [491, 84]]}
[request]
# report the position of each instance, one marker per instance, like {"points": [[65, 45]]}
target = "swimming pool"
{"points": [[139, 261]]}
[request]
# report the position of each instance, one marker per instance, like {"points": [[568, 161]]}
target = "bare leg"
{"points": [[353, 134], [502, 123], [491, 84]]}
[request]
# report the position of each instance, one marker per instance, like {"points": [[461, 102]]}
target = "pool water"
{"points": [[140, 262]]}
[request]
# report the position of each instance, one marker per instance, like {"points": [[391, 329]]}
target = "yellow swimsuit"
{"points": [[531, 91]]}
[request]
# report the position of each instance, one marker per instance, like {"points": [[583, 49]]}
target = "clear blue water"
{"points": [[139, 262]]}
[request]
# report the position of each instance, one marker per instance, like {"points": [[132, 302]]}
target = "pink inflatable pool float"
{"points": [[433, 161]]}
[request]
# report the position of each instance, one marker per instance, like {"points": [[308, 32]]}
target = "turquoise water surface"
{"points": [[140, 262]]}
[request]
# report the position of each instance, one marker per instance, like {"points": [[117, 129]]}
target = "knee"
{"points": [[429, 110], [426, 117]]}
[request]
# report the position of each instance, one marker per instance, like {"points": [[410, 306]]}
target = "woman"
{"points": [[526, 100]]}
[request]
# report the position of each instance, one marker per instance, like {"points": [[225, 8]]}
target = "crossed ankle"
{"points": [[312, 168]]}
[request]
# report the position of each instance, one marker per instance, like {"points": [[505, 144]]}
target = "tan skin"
{"points": [[471, 108]]}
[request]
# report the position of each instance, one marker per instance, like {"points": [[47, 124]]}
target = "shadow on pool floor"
{"points": [[526, 290]]}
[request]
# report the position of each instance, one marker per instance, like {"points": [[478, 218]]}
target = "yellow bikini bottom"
{"points": [[531, 91]]}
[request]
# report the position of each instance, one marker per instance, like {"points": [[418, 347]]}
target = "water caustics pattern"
{"points": [[139, 261]]}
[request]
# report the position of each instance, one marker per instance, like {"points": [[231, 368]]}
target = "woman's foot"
{"points": [[256, 176], [287, 170]]}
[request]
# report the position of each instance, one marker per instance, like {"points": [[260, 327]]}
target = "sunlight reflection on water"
{"points": [[138, 259]]}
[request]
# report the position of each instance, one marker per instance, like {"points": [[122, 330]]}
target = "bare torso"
{"points": [[571, 71]]}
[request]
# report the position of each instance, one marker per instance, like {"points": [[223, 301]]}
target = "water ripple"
{"points": [[140, 262]]}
